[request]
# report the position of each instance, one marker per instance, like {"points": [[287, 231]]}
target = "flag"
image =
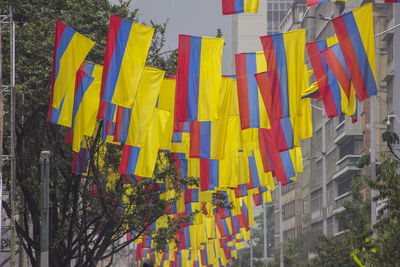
{"points": [[70, 50], [80, 161], [283, 82], [333, 56], [230, 7], [305, 119], [145, 105], [251, 105], [121, 127], [86, 103], [316, 2], [126, 51], [198, 78], [208, 138], [141, 160], [392, 1], [328, 86], [355, 32]]}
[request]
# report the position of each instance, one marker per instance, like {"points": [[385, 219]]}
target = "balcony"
{"points": [[316, 215], [338, 202], [346, 131], [348, 160]]}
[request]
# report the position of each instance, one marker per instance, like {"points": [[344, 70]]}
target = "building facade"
{"points": [[346, 142]]}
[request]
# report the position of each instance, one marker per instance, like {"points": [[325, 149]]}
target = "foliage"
{"points": [[82, 227], [383, 249], [296, 251]]}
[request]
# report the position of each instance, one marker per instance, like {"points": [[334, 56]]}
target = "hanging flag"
{"points": [[328, 86], [316, 2], [333, 56], [230, 7], [355, 32], [198, 78], [80, 161], [281, 86], [121, 128], [305, 119], [141, 160], [70, 50], [251, 105], [126, 51], [145, 105], [86, 103], [284, 55]]}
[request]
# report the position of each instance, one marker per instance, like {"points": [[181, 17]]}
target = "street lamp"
{"points": [[323, 151], [390, 116]]}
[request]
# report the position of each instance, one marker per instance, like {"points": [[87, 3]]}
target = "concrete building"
{"points": [[346, 142]]}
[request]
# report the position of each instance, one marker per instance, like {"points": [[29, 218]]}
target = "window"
{"points": [[316, 200], [288, 210], [344, 186]]}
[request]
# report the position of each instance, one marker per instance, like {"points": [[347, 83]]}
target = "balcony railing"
{"points": [[340, 128], [348, 160], [340, 199]]}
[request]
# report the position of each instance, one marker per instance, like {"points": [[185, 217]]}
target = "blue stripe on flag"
{"points": [[252, 87], [116, 60], [65, 40], [360, 52], [280, 53], [194, 77]]}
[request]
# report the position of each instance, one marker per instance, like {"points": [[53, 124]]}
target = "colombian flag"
{"points": [[281, 86], [230, 7], [198, 78], [355, 32], [251, 105], [126, 51], [145, 105], [121, 128], [70, 49], [80, 161], [316, 2], [334, 58], [86, 102], [328, 86]]}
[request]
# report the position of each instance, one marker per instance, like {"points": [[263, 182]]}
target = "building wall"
{"points": [[346, 142]]}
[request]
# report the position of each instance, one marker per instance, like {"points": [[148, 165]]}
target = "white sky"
{"points": [[194, 17]]}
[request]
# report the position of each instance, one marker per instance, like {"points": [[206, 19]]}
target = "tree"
{"points": [[337, 251], [82, 227], [296, 251], [382, 250]]}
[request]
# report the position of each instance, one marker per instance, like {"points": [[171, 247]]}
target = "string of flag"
{"points": [[235, 133]]}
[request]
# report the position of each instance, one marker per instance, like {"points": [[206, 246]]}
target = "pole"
{"points": [[44, 229], [251, 252], [324, 210], [265, 234], [372, 159], [1, 133], [13, 138], [280, 226]]}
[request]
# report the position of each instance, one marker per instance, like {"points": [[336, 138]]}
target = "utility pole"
{"points": [[323, 152], [1, 132], [44, 229], [372, 161], [324, 202], [280, 226], [13, 136], [251, 252], [265, 234]]}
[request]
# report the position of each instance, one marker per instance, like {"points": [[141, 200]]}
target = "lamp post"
{"points": [[323, 152], [44, 229]]}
